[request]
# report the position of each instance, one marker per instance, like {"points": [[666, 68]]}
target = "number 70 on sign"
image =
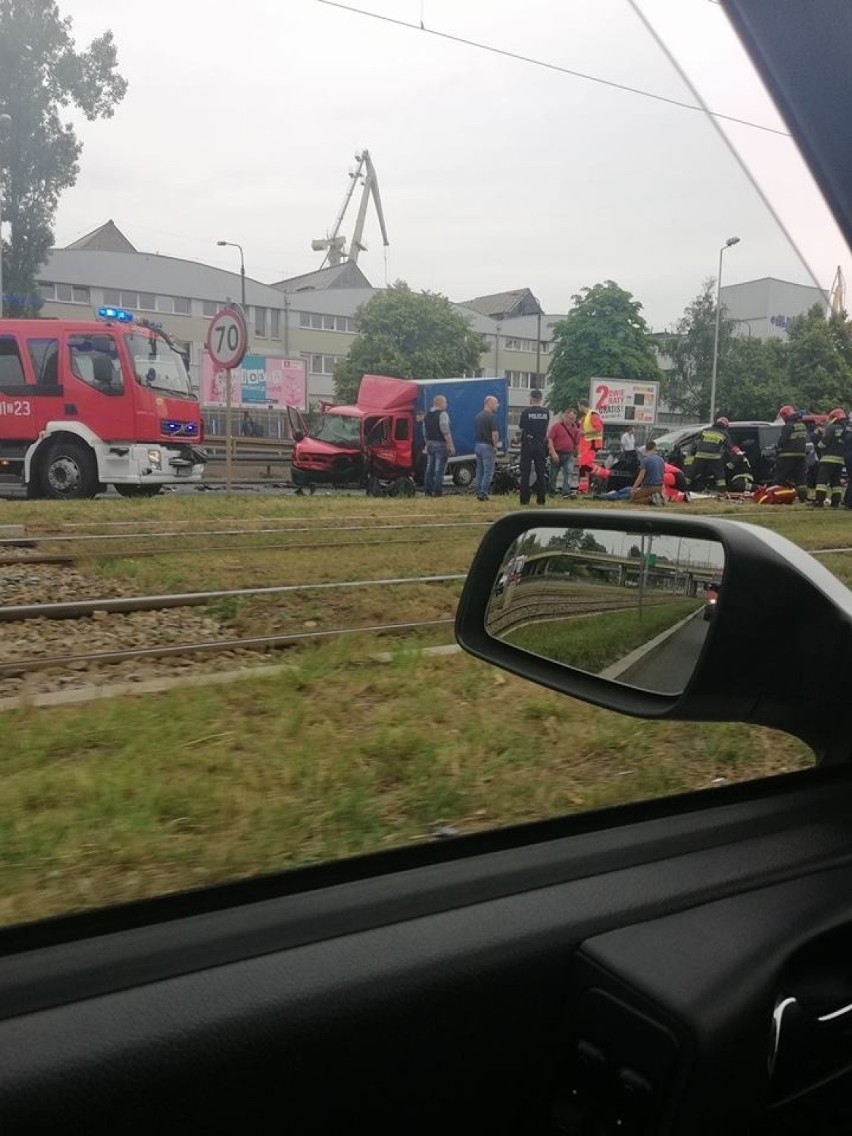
{"points": [[227, 338]]}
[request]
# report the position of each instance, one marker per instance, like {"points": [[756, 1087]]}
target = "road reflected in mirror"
{"points": [[630, 607]]}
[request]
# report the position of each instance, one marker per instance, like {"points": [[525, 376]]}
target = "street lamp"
{"points": [[233, 244], [728, 243], [5, 127]]}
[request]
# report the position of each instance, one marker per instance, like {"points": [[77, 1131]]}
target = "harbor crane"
{"points": [[334, 245]]}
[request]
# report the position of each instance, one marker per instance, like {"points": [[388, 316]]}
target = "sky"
{"points": [[241, 123]]}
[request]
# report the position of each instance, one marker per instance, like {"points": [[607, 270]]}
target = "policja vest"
{"points": [[533, 424]]}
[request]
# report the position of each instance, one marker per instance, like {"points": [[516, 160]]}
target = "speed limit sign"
{"points": [[227, 338]]}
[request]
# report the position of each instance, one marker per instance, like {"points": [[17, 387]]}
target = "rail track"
{"points": [[218, 646], [80, 609]]}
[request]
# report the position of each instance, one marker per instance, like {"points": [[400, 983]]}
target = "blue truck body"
{"points": [[464, 401]]}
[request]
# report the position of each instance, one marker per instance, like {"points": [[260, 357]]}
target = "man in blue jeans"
{"points": [[439, 446], [487, 439]]}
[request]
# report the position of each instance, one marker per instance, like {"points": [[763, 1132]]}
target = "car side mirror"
{"points": [[663, 617], [298, 436]]}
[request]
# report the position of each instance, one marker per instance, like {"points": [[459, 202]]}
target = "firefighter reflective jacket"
{"points": [[793, 439], [833, 443], [712, 444]]}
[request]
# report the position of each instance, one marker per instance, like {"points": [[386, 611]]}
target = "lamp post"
{"points": [[233, 244], [728, 243], [5, 127]]}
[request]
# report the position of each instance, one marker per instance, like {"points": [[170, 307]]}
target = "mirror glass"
{"points": [[635, 608]]}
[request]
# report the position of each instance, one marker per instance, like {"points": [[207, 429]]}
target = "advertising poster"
{"points": [[619, 401], [259, 381]]}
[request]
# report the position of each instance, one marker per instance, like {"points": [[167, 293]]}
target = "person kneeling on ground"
{"points": [[648, 485]]}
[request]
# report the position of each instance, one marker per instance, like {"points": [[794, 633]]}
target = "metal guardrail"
{"points": [[249, 451]]}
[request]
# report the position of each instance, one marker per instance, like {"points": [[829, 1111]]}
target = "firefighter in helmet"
{"points": [[713, 446], [740, 477], [791, 452], [832, 452]]}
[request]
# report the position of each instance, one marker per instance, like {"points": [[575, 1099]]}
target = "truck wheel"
{"points": [[138, 490], [70, 472], [463, 475]]}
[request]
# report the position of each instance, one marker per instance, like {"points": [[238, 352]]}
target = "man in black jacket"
{"points": [[532, 428]]}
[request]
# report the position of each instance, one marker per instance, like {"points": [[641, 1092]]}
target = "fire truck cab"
{"points": [[87, 404]]}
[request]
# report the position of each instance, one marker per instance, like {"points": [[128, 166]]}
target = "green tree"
{"points": [[690, 347], [41, 73], [754, 382], [819, 353], [411, 335], [603, 335]]}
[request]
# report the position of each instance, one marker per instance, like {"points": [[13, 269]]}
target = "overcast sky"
{"points": [[241, 122]]}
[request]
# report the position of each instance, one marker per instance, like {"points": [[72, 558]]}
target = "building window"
{"points": [[275, 323], [524, 380], [129, 300], [65, 293], [322, 364], [112, 297], [260, 321], [319, 322], [209, 308], [182, 306], [165, 304]]}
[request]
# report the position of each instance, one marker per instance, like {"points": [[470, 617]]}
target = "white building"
{"points": [[310, 316], [764, 308]]}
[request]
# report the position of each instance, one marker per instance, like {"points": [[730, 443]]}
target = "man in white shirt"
{"points": [[628, 440]]}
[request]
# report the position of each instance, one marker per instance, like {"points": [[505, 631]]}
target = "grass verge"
{"points": [[593, 644], [149, 795]]}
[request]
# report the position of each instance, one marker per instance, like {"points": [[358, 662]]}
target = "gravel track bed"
{"points": [[47, 638]]}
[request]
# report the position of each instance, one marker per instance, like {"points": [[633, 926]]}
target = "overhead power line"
{"points": [[521, 58]]}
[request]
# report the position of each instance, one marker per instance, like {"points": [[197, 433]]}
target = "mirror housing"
{"points": [[781, 633]]}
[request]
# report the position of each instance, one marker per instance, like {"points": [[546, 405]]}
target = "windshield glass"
{"points": [[658, 265], [340, 430], [157, 365]]}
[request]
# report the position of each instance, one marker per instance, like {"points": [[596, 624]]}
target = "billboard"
{"points": [[619, 401], [260, 380]]}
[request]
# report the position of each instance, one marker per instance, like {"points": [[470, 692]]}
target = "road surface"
{"points": [[669, 668]]}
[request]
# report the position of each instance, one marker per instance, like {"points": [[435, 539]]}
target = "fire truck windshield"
{"points": [[158, 366], [340, 430]]}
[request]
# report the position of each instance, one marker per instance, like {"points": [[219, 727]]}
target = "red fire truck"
{"points": [[87, 404]]}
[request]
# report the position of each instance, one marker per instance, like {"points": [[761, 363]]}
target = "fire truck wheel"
{"points": [[138, 490], [70, 471]]}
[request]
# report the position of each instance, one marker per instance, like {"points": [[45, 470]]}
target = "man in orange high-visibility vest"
{"points": [[592, 431]]}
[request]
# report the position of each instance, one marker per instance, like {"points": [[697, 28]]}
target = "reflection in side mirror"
{"points": [[635, 608]]}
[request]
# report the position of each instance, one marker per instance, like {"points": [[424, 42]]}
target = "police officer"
{"points": [[832, 452], [713, 446], [791, 451], [532, 428]]}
